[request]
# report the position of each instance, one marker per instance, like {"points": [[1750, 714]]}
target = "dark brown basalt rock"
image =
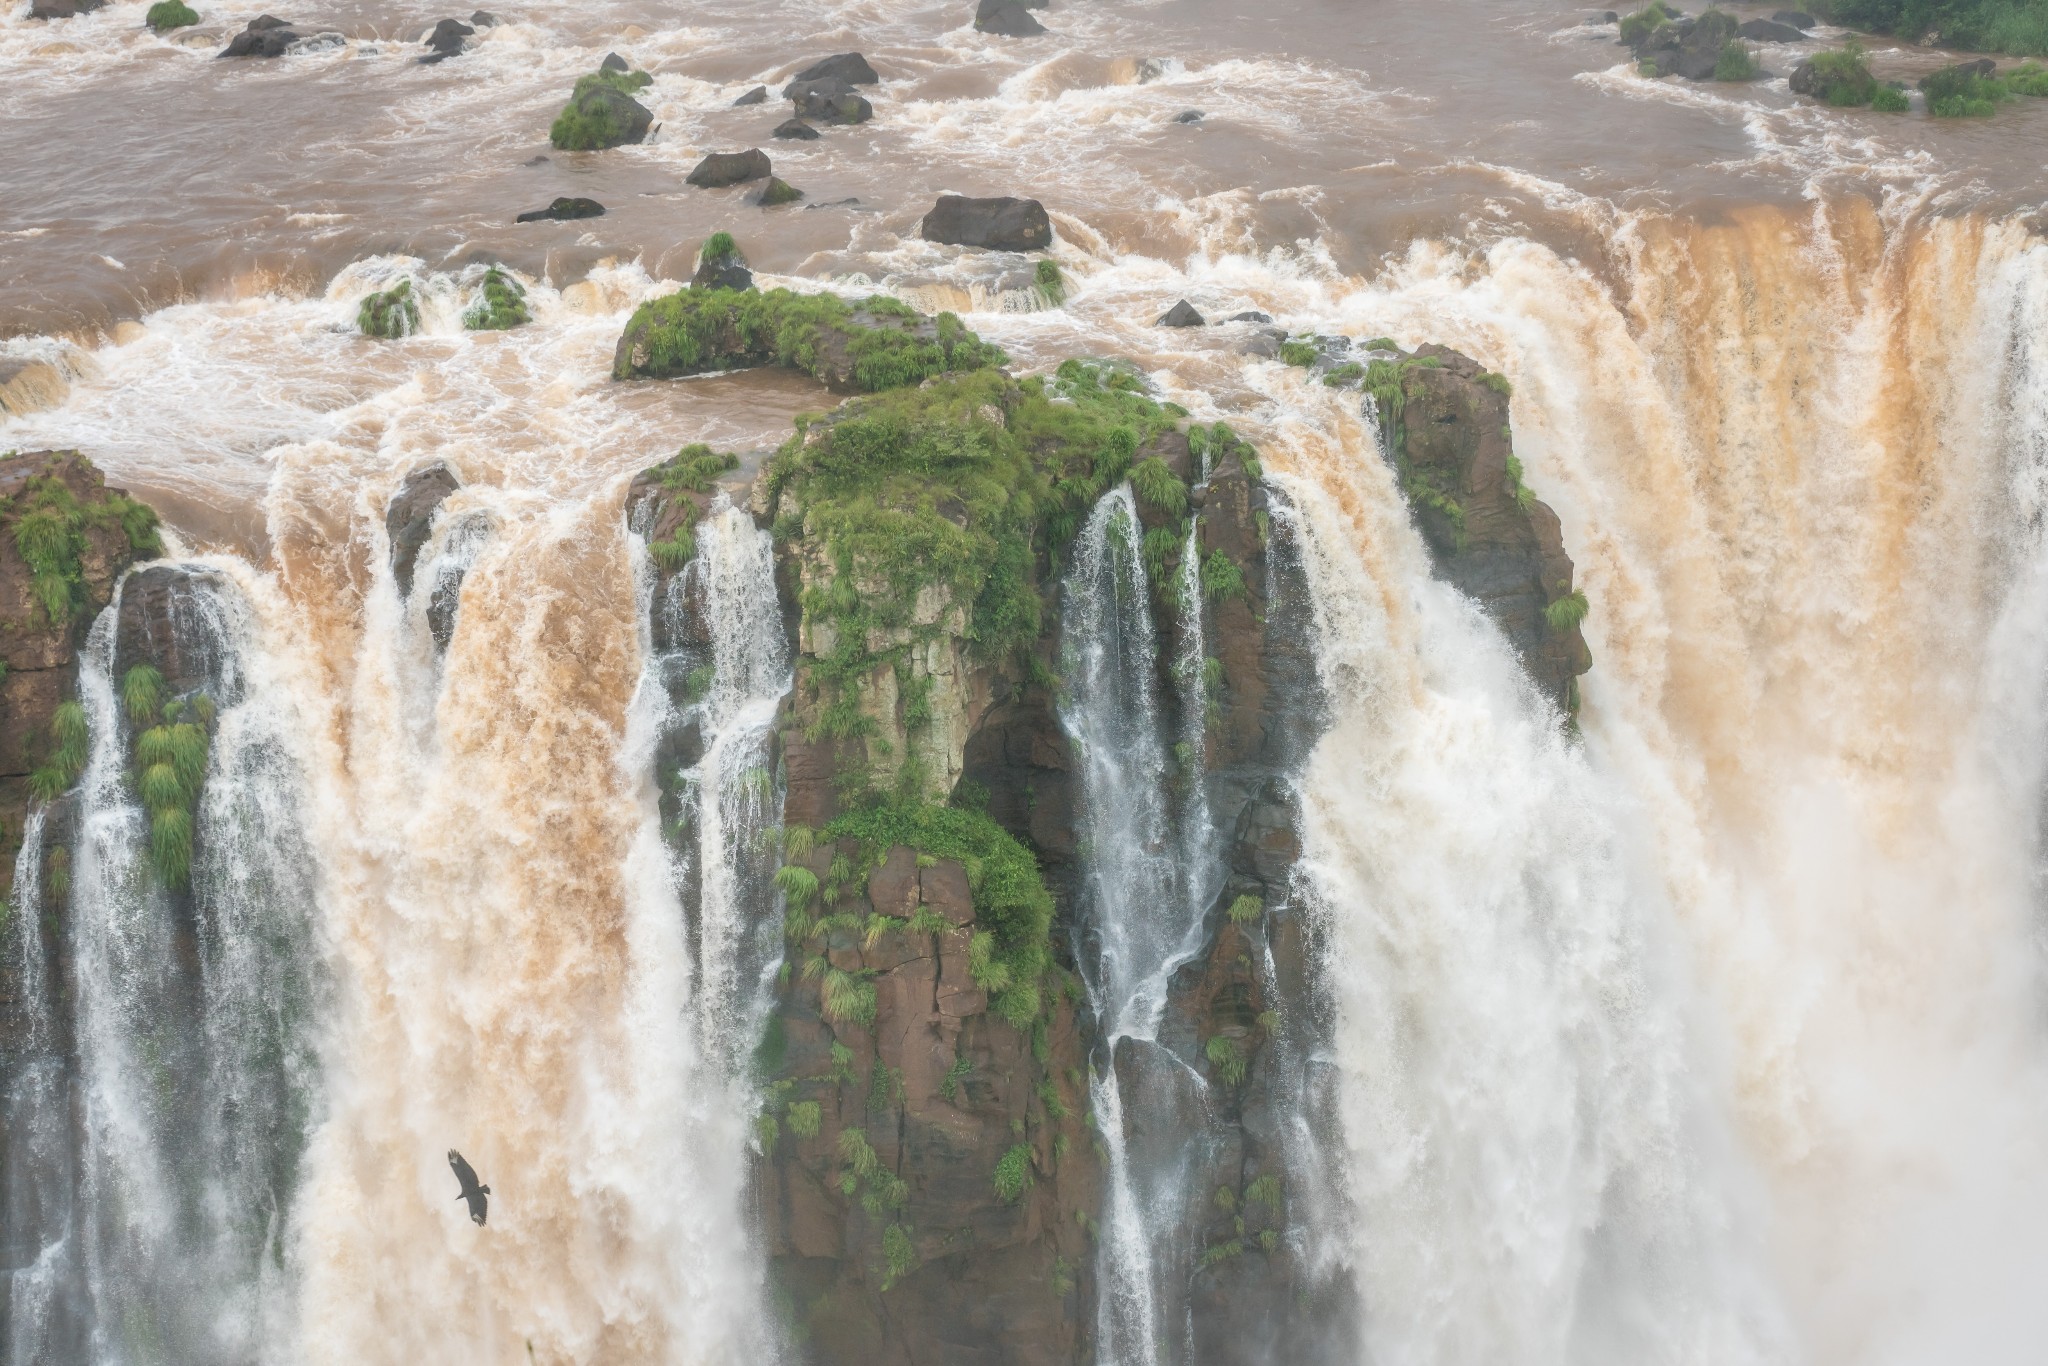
{"points": [[1001, 224], [563, 210], [720, 169], [1503, 549], [410, 518]]}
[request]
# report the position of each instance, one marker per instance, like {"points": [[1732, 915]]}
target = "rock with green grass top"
{"points": [[391, 313], [602, 112], [166, 15], [878, 343]]}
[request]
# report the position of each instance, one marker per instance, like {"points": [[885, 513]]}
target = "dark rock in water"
{"points": [[1795, 18], [264, 37], [446, 40], [483, 18], [1182, 314], [1188, 116], [613, 62], [410, 518], [1251, 316], [778, 191], [563, 210], [730, 168], [1606, 16], [1770, 31], [798, 129], [1007, 19], [539, 160], [1002, 224], [830, 100], [601, 117], [849, 67], [1699, 46], [834, 204], [758, 95], [724, 271], [62, 9]]}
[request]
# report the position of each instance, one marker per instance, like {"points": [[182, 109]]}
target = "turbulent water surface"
{"points": [[1709, 1032]]}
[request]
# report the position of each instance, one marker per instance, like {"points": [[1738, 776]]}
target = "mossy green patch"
{"points": [[166, 15], [591, 122], [391, 313], [501, 305], [50, 534]]}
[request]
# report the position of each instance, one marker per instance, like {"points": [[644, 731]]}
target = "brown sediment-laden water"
{"points": [[1706, 1028]]}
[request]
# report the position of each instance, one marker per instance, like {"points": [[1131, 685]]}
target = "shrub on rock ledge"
{"points": [[502, 307], [166, 15], [602, 112], [390, 313]]}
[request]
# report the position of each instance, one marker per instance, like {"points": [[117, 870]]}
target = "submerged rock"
{"points": [[62, 9], [830, 100], [758, 95], [797, 129], [1189, 116], [777, 191], [730, 168], [484, 19], [563, 210], [1182, 314], [1000, 224]]}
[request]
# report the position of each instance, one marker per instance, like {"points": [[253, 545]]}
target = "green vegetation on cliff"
{"points": [[1011, 948], [880, 343], [50, 533], [171, 751]]}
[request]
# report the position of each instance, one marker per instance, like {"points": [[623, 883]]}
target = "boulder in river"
{"points": [[798, 129], [613, 62], [830, 100], [1982, 67], [1793, 18], [777, 191], [62, 9], [1007, 19], [1699, 47], [1000, 224], [1189, 116], [483, 18], [849, 67], [730, 168], [1770, 31], [720, 265], [410, 518], [264, 37], [602, 112], [758, 95], [446, 41], [1182, 314], [562, 211]]}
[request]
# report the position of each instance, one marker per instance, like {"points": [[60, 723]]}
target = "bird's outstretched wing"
{"points": [[465, 1175]]}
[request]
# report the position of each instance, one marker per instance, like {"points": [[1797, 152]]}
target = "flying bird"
{"points": [[471, 1191]]}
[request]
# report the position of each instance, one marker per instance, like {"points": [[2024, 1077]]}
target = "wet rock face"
{"points": [[410, 518], [39, 650], [1494, 541], [730, 168]]}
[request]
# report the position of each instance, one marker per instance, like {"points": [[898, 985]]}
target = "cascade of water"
{"points": [[36, 1179], [1148, 879], [198, 1086], [1531, 1176]]}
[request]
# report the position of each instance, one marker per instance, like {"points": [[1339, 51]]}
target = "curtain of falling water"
{"points": [[36, 1172], [1146, 841]]}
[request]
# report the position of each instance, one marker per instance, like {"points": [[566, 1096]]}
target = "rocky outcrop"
{"points": [[65, 538], [1182, 314], [1491, 537], [720, 169], [758, 95], [829, 100], [722, 268], [62, 9], [1001, 224], [602, 112], [797, 130], [876, 344]]}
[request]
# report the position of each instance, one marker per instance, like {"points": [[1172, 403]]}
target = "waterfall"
{"points": [[1527, 1177], [1147, 850]]}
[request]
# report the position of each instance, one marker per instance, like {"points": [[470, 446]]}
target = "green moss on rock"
{"points": [[501, 307], [166, 15], [879, 343], [602, 112], [390, 313]]}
